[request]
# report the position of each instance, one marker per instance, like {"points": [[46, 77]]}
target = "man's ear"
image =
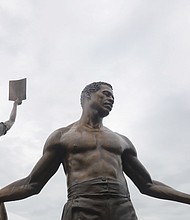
{"points": [[87, 95]]}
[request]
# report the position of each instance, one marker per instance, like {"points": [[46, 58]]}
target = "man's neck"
{"points": [[91, 120]]}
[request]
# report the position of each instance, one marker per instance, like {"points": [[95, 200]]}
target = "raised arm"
{"points": [[41, 173], [142, 179], [9, 123]]}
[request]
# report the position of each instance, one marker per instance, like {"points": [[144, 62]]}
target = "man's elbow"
{"points": [[9, 124], [145, 189], [34, 189]]}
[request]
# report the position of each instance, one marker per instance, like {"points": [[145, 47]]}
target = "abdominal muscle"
{"points": [[93, 164], [90, 154]]}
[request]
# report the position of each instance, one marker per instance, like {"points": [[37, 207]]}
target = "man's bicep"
{"points": [[135, 170], [50, 161], [45, 168]]}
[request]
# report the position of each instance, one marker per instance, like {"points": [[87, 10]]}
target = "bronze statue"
{"points": [[94, 159]]}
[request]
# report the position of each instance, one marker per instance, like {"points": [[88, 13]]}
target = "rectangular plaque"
{"points": [[17, 89]]}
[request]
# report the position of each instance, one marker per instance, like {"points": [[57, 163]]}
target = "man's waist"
{"points": [[100, 186]]}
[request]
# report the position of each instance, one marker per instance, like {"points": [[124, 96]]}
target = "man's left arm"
{"points": [[134, 169]]}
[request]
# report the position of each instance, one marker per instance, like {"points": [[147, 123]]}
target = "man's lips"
{"points": [[109, 105]]}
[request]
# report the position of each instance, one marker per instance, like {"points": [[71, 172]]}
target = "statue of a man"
{"points": [[94, 159]]}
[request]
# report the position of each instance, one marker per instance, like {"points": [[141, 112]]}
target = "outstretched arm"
{"points": [[142, 179], [9, 123], [41, 173]]}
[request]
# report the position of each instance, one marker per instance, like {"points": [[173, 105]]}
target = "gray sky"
{"points": [[141, 47]]}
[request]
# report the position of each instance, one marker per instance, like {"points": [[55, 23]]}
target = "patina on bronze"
{"points": [[95, 160]]}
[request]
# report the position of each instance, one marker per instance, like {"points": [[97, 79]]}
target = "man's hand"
{"points": [[18, 102]]}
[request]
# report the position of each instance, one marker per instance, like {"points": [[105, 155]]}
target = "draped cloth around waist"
{"points": [[99, 199], [99, 187]]}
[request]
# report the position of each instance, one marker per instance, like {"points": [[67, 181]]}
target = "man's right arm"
{"points": [[41, 173], [9, 123]]}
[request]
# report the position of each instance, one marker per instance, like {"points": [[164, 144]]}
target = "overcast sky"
{"points": [[141, 47]]}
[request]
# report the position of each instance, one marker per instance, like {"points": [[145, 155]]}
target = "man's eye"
{"points": [[106, 93]]}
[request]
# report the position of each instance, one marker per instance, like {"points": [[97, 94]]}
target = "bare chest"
{"points": [[85, 141]]}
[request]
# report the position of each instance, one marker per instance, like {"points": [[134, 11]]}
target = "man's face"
{"points": [[102, 100]]}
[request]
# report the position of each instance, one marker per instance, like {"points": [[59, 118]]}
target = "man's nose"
{"points": [[111, 99]]}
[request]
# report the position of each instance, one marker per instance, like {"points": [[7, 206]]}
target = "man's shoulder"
{"points": [[123, 137], [118, 134], [55, 138], [129, 147], [62, 130]]}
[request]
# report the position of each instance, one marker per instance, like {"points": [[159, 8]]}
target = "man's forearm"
{"points": [[9, 123], [162, 191], [17, 190], [13, 112]]}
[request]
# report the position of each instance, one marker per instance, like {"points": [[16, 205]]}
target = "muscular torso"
{"points": [[91, 153]]}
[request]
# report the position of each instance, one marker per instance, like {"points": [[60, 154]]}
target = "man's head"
{"points": [[98, 97], [91, 88]]}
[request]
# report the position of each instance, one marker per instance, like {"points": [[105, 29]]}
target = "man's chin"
{"points": [[105, 113]]}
